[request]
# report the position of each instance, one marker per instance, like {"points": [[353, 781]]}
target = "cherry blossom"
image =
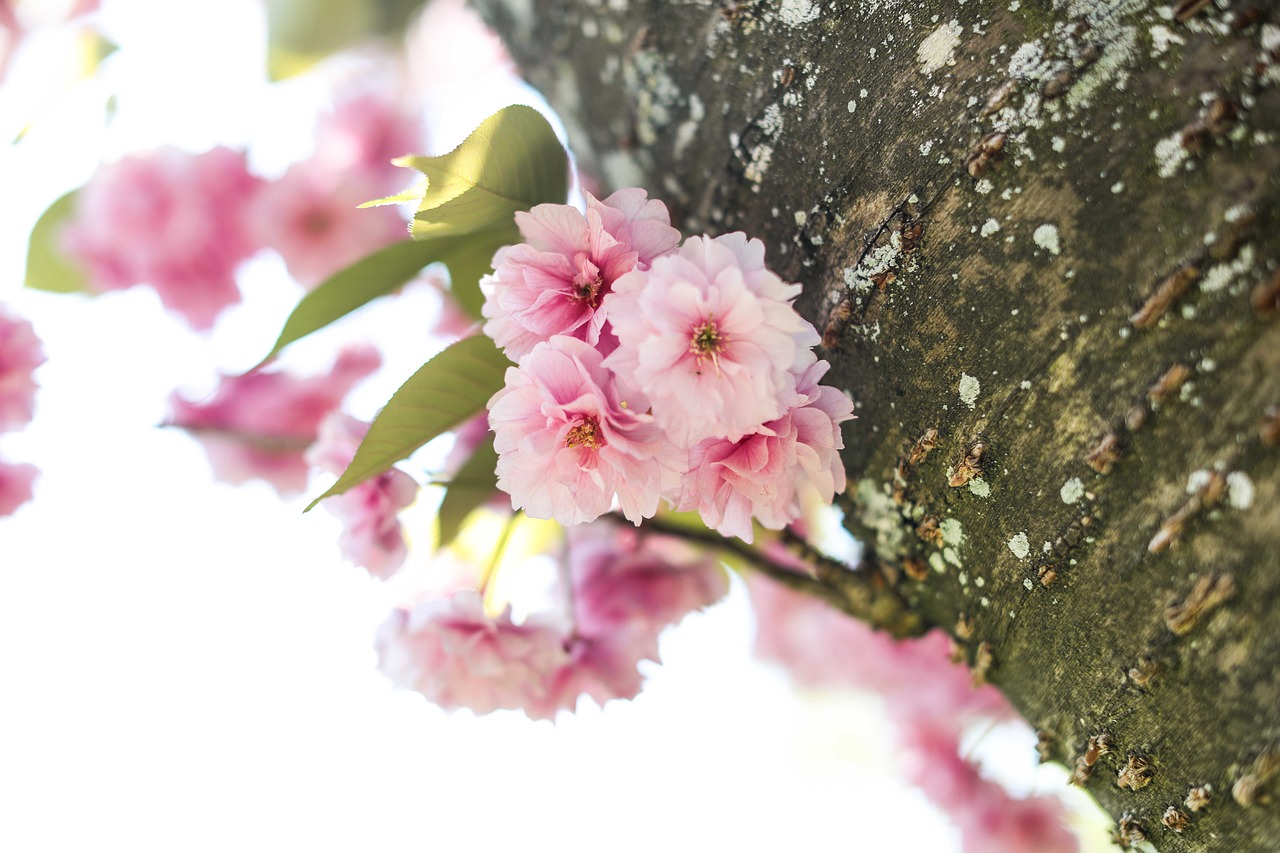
{"points": [[20, 355], [456, 655], [710, 335], [371, 535], [261, 423], [815, 643], [624, 578], [568, 440], [766, 474], [556, 282], [365, 130], [311, 215], [15, 485], [172, 220], [990, 819]]}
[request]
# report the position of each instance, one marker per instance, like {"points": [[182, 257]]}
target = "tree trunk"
{"points": [[1041, 241]]}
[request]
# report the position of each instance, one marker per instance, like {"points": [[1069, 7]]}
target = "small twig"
{"points": [[490, 570], [859, 593]]}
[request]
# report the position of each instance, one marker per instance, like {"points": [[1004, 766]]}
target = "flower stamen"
{"points": [[588, 283], [707, 343], [586, 434]]}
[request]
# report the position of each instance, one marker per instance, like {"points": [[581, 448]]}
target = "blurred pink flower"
{"points": [[623, 578], [822, 647], [710, 336], [930, 698], [371, 535], [171, 220], [990, 819], [311, 215], [555, 283], [364, 131], [261, 423], [764, 475], [568, 441], [15, 486], [450, 651], [20, 355]]}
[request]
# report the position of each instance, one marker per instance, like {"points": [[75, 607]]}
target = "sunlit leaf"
{"points": [[475, 483], [467, 208], [446, 391], [48, 267], [511, 162]]}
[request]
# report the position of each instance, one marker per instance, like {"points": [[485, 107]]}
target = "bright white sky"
{"points": [[187, 665]]}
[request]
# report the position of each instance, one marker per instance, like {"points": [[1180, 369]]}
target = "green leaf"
{"points": [[466, 211], [446, 391], [474, 483], [511, 162], [382, 272], [48, 267]]}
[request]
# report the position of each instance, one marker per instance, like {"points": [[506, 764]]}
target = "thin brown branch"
{"points": [[859, 592]]}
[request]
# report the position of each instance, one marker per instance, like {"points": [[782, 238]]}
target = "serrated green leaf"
{"points": [[511, 162], [474, 483], [48, 267], [446, 391], [378, 274]]}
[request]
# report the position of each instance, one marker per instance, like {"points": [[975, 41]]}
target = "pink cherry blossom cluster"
{"points": [[621, 588], [183, 223], [20, 355], [262, 423], [932, 702], [651, 371]]}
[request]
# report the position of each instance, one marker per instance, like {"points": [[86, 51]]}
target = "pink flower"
{"points": [[711, 337], [821, 647], [568, 440], [991, 820], [260, 424], [172, 220], [312, 217], [357, 139], [20, 355], [626, 579], [765, 475], [556, 282], [450, 651], [15, 486], [371, 535]]}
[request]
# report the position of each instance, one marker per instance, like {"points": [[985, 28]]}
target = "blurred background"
{"points": [[187, 663]]}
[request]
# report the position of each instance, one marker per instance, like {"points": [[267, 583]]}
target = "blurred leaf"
{"points": [[511, 162], [447, 390], [303, 32], [48, 267], [474, 483]]}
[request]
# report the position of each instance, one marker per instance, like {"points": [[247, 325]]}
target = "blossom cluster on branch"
{"points": [[618, 589], [651, 371]]}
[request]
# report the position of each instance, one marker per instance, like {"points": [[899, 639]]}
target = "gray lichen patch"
{"points": [[938, 49], [656, 93], [1020, 545], [879, 513], [1046, 237], [969, 388]]}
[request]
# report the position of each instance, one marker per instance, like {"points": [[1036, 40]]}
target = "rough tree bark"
{"points": [[1041, 239]]}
